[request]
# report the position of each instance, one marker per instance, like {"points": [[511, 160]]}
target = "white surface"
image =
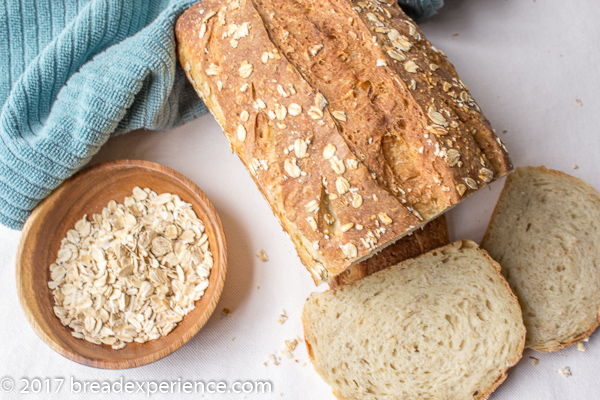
{"points": [[526, 63]]}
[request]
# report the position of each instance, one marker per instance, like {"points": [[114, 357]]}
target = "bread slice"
{"points": [[431, 236], [444, 325], [356, 129], [545, 233]]}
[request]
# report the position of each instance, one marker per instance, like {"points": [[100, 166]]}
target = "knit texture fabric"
{"points": [[75, 72], [421, 9]]}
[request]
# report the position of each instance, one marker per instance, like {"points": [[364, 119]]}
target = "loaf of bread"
{"points": [[545, 233], [355, 128], [444, 325], [429, 237]]}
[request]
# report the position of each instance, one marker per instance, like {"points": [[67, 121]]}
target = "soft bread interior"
{"points": [[444, 325], [545, 233]]}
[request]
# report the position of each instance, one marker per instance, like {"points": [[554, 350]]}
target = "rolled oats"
{"points": [[339, 115], [262, 255], [246, 69], [132, 272], [294, 109]]}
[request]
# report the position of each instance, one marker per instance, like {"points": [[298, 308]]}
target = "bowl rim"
{"points": [[138, 361]]}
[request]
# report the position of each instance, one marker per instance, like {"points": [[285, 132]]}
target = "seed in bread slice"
{"points": [[545, 233], [444, 325]]}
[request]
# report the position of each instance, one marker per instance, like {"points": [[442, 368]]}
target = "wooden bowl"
{"points": [[88, 192]]}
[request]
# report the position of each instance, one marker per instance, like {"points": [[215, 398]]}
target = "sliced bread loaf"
{"points": [[545, 233], [356, 129], [444, 325]]}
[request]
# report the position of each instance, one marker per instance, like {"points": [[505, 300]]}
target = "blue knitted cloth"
{"points": [[75, 72]]}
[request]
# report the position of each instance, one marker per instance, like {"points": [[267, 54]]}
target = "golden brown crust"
{"points": [[588, 332], [367, 69], [340, 188], [429, 237], [315, 200]]}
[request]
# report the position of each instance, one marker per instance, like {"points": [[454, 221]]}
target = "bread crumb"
{"points": [[575, 166], [282, 318], [262, 256], [566, 372], [580, 346], [258, 288], [454, 34], [226, 312], [290, 345], [273, 359], [579, 102], [535, 361], [278, 356]]}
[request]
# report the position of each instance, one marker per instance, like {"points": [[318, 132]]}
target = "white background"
{"points": [[526, 62]]}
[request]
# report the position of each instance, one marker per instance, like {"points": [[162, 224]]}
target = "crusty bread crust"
{"points": [[315, 185], [381, 64], [456, 245], [429, 237], [504, 197], [348, 165]]}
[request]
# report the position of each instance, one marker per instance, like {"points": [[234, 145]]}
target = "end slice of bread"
{"points": [[444, 325], [545, 233]]}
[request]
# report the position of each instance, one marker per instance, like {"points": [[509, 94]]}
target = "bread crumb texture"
{"points": [[442, 326], [545, 233]]}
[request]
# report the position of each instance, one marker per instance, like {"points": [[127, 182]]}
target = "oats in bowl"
{"points": [[132, 272]]}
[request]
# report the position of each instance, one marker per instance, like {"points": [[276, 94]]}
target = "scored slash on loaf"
{"points": [[355, 128]]}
